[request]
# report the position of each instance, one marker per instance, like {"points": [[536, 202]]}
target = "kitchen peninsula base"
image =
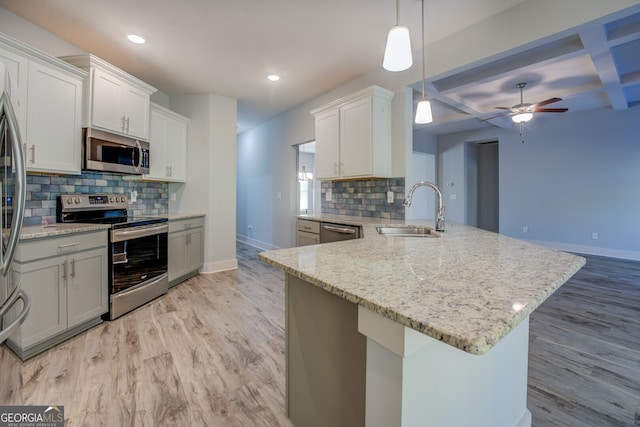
{"points": [[347, 365]]}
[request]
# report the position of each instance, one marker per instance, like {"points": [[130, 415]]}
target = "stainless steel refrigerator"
{"points": [[14, 302]]}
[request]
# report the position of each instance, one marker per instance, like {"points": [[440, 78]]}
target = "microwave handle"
{"points": [[139, 147]]}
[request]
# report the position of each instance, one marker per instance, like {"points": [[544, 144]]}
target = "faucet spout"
{"points": [[440, 215]]}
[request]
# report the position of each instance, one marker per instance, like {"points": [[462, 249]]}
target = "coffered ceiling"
{"points": [[593, 66], [229, 47]]}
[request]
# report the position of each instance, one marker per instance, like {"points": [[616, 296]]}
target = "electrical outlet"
{"points": [[328, 195], [134, 196], [173, 197], [250, 227], [594, 235], [389, 196], [525, 229]]}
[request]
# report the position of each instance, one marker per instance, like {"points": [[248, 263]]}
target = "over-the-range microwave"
{"points": [[108, 152]]}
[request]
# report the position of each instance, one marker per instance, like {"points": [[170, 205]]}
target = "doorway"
{"points": [[308, 186], [488, 186]]}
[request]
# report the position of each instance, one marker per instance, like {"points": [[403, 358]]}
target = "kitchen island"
{"points": [[414, 330]]}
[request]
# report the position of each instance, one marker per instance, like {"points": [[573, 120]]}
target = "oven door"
{"points": [[138, 266]]}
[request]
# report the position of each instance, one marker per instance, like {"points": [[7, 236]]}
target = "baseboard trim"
{"points": [[590, 250], [256, 243], [218, 266]]}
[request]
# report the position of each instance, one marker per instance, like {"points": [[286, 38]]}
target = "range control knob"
{"points": [[77, 200], [112, 199], [69, 200]]}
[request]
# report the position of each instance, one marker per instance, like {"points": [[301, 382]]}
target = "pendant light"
{"points": [[423, 110], [397, 54]]}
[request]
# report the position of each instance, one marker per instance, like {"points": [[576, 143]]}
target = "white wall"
{"points": [[211, 174], [575, 174]]}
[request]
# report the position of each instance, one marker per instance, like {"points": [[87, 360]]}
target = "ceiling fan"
{"points": [[523, 112]]}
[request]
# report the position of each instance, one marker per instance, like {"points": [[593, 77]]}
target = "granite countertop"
{"points": [[58, 229], [185, 215], [468, 288]]}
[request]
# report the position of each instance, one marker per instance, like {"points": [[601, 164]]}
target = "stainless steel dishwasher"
{"points": [[330, 232]]}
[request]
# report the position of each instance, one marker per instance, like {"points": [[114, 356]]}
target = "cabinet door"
{"points": [[17, 68], [44, 283], [106, 102], [136, 112], [176, 251], [87, 293], [157, 142], [195, 249], [54, 130], [356, 139], [328, 144], [176, 150]]}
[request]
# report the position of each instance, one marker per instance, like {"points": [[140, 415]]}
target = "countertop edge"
{"points": [[477, 343]]}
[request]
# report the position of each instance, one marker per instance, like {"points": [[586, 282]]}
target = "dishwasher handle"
{"points": [[342, 230]]}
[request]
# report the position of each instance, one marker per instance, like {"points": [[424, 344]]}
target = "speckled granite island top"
{"points": [[468, 288]]}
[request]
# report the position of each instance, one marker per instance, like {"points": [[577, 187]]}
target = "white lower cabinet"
{"points": [[186, 248], [66, 280], [308, 232]]}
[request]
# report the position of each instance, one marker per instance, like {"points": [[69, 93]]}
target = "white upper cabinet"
{"points": [[54, 130], [353, 136], [46, 94], [17, 66], [168, 145], [114, 100]]}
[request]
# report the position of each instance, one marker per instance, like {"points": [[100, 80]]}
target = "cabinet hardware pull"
{"points": [[64, 270], [73, 268], [33, 153], [68, 245], [123, 121], [335, 168], [127, 124]]}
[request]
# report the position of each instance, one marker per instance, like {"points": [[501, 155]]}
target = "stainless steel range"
{"points": [[137, 248]]}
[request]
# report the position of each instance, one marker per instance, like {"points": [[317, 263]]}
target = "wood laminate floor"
{"points": [[211, 353]]}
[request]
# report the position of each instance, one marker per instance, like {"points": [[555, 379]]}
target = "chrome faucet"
{"points": [[440, 216]]}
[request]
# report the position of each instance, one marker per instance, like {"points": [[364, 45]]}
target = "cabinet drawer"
{"points": [[309, 226], [53, 246], [185, 224], [305, 238]]}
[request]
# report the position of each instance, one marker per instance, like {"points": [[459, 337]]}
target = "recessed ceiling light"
{"points": [[273, 77], [135, 38]]}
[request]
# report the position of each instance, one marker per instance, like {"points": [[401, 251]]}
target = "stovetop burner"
{"points": [[99, 208]]}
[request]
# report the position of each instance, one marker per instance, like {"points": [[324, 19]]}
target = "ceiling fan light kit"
{"points": [[522, 117], [397, 53]]}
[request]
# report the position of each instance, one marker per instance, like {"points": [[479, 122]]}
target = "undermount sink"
{"points": [[406, 231]]}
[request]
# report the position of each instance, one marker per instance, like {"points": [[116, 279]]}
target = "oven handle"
{"points": [[137, 232]]}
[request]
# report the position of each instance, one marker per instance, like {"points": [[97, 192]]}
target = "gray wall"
{"points": [[576, 174]]}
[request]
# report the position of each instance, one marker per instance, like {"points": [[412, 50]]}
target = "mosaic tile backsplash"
{"points": [[364, 198], [42, 191]]}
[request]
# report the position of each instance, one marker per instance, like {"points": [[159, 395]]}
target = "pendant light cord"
{"points": [[397, 12], [423, 53]]}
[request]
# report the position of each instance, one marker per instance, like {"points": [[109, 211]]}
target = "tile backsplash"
{"points": [[43, 190], [364, 198]]}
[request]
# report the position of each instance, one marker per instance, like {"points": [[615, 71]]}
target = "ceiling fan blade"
{"points": [[550, 110], [502, 108], [547, 102]]}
